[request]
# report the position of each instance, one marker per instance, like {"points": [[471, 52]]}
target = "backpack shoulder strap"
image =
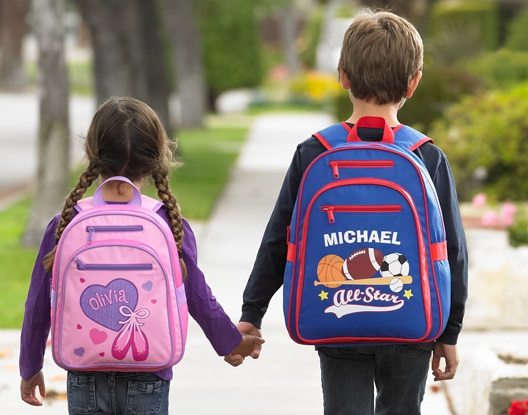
{"points": [[84, 204], [150, 203], [410, 138], [404, 136], [334, 135], [146, 202]]}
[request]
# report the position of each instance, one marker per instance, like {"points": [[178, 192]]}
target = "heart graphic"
{"points": [[79, 327], [147, 286], [98, 336], [102, 303], [79, 351], [154, 301], [101, 354], [82, 280]]}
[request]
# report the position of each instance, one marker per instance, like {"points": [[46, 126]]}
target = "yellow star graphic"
{"points": [[323, 295], [408, 294]]}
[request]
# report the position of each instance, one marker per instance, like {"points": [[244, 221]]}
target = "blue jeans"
{"points": [[117, 393], [398, 372]]}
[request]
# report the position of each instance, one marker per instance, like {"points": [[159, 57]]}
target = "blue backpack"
{"points": [[367, 255]]}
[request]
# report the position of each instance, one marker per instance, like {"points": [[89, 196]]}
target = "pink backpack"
{"points": [[118, 300]]}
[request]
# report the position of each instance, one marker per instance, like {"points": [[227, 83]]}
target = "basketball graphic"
{"points": [[329, 269]]}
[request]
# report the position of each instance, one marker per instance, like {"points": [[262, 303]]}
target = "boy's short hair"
{"points": [[381, 52]]}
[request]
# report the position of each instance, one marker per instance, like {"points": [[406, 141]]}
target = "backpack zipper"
{"points": [[113, 228], [111, 267], [335, 165], [331, 209]]}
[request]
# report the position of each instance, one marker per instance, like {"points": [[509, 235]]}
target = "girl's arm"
{"points": [[36, 326], [203, 307]]}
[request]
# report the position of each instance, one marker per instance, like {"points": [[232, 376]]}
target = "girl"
{"points": [[125, 138]]}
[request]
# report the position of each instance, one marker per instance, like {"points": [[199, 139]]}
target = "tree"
{"points": [[413, 10], [186, 41], [13, 28], [231, 45], [53, 137], [128, 46]]}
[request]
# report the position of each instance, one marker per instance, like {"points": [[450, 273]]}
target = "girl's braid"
{"points": [[161, 182], [85, 180]]}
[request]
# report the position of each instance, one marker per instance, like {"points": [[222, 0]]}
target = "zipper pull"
{"points": [[80, 265], [91, 232], [329, 212], [335, 169]]}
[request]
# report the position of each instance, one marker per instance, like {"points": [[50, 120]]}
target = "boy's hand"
{"points": [[449, 353], [28, 389], [236, 359]]}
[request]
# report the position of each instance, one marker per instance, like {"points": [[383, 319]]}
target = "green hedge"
{"points": [[517, 33], [485, 138], [231, 44], [440, 87], [461, 29], [501, 69]]}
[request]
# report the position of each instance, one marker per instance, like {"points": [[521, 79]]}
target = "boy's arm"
{"points": [[268, 270], [457, 249]]}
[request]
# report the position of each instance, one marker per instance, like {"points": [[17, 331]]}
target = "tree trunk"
{"points": [[53, 138], [128, 51], [153, 63], [112, 71], [13, 28], [289, 23], [182, 25]]}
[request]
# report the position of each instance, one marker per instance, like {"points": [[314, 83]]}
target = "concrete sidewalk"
{"points": [[285, 380]]}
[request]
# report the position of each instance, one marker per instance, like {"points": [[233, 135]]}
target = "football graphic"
{"points": [[394, 265], [363, 264]]}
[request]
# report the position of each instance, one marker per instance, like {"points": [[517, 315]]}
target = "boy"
{"points": [[380, 64]]}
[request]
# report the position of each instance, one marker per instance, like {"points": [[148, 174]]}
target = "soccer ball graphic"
{"points": [[394, 265]]}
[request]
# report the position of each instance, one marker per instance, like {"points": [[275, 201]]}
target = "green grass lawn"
{"points": [[207, 156]]}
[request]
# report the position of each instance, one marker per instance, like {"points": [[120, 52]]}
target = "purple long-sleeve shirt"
{"points": [[202, 305]]}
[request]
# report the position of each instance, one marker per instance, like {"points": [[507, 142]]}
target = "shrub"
{"points": [[441, 86], [231, 44], [461, 29], [518, 232], [485, 139], [517, 33], [502, 68]]}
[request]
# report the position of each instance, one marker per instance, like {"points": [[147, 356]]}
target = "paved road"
{"points": [[285, 380], [18, 135]]}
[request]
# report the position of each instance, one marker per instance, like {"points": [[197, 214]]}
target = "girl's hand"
{"points": [[247, 345], [28, 389]]}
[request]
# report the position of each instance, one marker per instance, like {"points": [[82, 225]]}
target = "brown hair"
{"points": [[381, 53], [125, 138]]}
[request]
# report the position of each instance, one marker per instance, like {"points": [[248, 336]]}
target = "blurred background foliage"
{"points": [[187, 59]]}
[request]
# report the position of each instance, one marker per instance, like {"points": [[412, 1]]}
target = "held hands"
{"points": [[250, 345], [28, 389], [449, 353]]}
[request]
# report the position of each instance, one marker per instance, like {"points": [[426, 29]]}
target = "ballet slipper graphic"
{"points": [[140, 347], [131, 335]]}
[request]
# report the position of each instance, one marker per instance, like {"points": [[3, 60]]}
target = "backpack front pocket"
{"points": [[358, 259], [117, 309]]}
